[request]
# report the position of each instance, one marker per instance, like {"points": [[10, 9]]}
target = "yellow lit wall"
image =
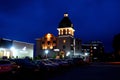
{"points": [[68, 31], [49, 41]]}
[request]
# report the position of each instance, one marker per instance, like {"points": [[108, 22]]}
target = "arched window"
{"points": [[60, 32], [67, 31], [64, 31]]}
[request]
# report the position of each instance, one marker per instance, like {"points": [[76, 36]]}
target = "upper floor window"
{"points": [[64, 31], [64, 41], [64, 46], [48, 42], [54, 41]]}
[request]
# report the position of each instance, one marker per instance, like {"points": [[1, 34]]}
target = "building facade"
{"points": [[45, 46], [64, 45], [67, 43], [15, 49], [95, 48]]}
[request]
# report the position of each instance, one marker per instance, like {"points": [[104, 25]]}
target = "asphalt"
{"points": [[94, 71]]}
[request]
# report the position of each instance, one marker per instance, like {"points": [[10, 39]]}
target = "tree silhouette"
{"points": [[116, 46]]}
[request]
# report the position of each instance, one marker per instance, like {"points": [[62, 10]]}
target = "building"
{"points": [[45, 46], [15, 49], [95, 48], [65, 45]]}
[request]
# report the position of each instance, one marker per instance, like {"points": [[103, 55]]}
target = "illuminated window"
{"points": [[48, 36], [51, 47], [64, 41], [69, 32], [65, 15]]}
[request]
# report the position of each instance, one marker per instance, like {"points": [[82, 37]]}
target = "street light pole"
{"points": [[46, 52]]}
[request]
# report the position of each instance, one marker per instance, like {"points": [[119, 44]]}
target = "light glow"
{"points": [[65, 15], [46, 51], [68, 53], [95, 47], [24, 49], [12, 48]]}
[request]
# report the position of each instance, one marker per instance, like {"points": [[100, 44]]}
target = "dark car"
{"points": [[70, 62], [78, 61], [45, 65], [25, 65], [62, 63], [5, 66]]}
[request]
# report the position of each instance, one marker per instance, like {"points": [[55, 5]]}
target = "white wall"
{"points": [[22, 49]]}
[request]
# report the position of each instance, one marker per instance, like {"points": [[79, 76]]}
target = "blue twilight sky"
{"points": [[26, 20]]}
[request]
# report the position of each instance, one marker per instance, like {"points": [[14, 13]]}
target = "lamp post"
{"points": [[46, 52]]}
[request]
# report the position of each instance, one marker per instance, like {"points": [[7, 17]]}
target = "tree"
{"points": [[116, 46]]}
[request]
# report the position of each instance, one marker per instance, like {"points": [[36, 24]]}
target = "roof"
{"points": [[65, 22]]}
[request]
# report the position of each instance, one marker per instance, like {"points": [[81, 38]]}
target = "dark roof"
{"points": [[65, 22]]}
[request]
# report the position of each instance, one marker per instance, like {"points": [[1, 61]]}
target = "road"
{"points": [[94, 71]]}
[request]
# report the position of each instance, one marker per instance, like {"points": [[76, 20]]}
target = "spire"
{"points": [[65, 22]]}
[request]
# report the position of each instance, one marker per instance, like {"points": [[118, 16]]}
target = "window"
{"points": [[54, 47], [68, 31], [64, 32], [64, 46], [60, 32], [48, 42], [64, 41], [43, 42], [54, 41]]}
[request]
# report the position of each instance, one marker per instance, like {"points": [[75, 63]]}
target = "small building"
{"points": [[15, 49]]}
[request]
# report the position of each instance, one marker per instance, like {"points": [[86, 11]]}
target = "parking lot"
{"points": [[92, 71]]}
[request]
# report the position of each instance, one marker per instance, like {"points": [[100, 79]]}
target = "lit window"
{"points": [[51, 47], [64, 41], [65, 15], [48, 36]]}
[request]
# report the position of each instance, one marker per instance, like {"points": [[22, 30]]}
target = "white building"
{"points": [[15, 49]]}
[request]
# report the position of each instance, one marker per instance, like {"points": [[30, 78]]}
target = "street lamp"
{"points": [[68, 53], [46, 52]]}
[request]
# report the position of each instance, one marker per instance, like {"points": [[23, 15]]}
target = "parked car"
{"points": [[78, 61], [62, 63], [70, 62], [25, 65], [5, 66], [45, 65]]}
